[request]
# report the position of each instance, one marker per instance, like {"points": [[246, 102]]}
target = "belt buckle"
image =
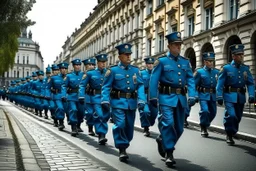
{"points": [[211, 90], [178, 91], [128, 95], [238, 90]]}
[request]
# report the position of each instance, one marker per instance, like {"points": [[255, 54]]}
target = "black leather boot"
{"points": [[90, 130], [204, 132], [55, 123], [229, 139], [61, 125], [79, 128], [102, 139], [123, 157], [160, 146], [169, 160], [146, 132], [74, 132]]}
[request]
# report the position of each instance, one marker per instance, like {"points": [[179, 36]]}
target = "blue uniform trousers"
{"points": [[59, 110], [171, 120], [76, 112], [89, 114], [148, 116], [207, 112], [187, 111], [123, 127], [233, 116], [100, 119]]}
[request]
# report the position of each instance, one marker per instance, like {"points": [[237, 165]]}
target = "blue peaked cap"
{"points": [[174, 37], [209, 56], [76, 62], [124, 48], [13, 83], [17, 81], [63, 65], [102, 57], [48, 70], [23, 79], [149, 60], [40, 72], [237, 49], [89, 61], [34, 74], [55, 67]]}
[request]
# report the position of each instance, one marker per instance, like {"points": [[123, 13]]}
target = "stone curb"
{"points": [[29, 160]]}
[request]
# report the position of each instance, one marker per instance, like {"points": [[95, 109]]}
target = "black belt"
{"points": [[165, 89], [230, 89], [55, 91], [119, 94], [146, 90], [93, 91], [72, 90], [206, 90]]}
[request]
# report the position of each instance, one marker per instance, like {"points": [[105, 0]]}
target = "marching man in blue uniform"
{"points": [[149, 114], [171, 74], [94, 78], [206, 80], [89, 65], [231, 87], [76, 110], [123, 90]]}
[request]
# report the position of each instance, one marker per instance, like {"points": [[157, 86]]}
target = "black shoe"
{"points": [[160, 146], [186, 124], [74, 132], [169, 160], [204, 132], [102, 139], [90, 130], [229, 140], [61, 126], [146, 132], [123, 157], [55, 123], [79, 128], [40, 114], [46, 117], [111, 120]]}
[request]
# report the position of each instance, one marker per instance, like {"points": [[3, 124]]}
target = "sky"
{"points": [[55, 20]]}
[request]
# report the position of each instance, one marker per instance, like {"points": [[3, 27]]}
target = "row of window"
{"points": [[24, 61], [18, 74]]}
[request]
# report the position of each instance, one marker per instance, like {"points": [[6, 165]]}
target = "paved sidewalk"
{"points": [[7, 148]]}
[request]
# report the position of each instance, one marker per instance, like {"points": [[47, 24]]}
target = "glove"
{"points": [[251, 99], [81, 101], [141, 106], [105, 107], [197, 100], [191, 101], [220, 102], [64, 99], [153, 102]]}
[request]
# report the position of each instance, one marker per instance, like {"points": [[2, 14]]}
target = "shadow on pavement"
{"points": [[186, 165], [248, 150]]}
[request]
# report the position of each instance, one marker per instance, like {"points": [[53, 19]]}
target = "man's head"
{"points": [[209, 58], [48, 71], [76, 64], [55, 69], [63, 68], [89, 63], [174, 43], [124, 51], [149, 62], [237, 51], [101, 60], [40, 75]]}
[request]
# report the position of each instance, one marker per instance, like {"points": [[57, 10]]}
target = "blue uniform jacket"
{"points": [[72, 82], [55, 83], [235, 77], [125, 80], [176, 74], [95, 80], [206, 78]]}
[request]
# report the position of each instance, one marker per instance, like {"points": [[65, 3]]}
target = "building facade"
{"points": [[27, 59], [206, 25]]}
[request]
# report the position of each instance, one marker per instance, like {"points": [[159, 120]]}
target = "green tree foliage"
{"points": [[12, 19]]}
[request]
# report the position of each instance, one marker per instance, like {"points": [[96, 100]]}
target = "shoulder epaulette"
{"points": [[246, 65], [184, 57], [112, 66]]}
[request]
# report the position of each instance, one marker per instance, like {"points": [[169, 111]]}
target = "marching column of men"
{"points": [[166, 90]]}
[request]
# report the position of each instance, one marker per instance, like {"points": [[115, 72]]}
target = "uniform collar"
{"points": [[207, 69], [121, 65], [172, 56], [149, 71]]}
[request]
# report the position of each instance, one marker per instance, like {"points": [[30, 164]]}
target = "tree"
{"points": [[12, 19]]}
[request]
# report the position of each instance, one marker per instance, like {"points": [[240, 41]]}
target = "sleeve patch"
{"points": [[156, 63], [107, 73], [84, 76]]}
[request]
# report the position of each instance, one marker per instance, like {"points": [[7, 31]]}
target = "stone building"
{"points": [[27, 59], [206, 25]]}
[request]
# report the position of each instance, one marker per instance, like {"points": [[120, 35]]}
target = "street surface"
{"points": [[193, 152]]}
